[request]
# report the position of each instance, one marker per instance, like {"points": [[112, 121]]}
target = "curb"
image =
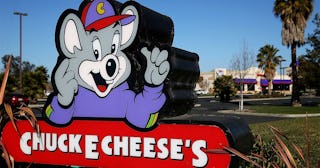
{"points": [[268, 115], [36, 105]]}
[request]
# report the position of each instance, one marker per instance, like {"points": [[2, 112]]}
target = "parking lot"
{"points": [[209, 107]]}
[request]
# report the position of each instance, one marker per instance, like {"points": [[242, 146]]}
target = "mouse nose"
{"points": [[111, 67]]}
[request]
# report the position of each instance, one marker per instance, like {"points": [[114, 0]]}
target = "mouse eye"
{"points": [[96, 46], [115, 43]]}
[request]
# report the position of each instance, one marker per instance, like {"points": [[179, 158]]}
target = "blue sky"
{"points": [[216, 30]]}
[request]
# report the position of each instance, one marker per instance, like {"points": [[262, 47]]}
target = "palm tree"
{"points": [[268, 61], [294, 15]]}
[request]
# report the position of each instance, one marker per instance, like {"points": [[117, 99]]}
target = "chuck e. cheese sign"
{"points": [[114, 144], [94, 117]]}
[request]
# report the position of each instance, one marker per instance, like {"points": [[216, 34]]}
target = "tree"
{"points": [[240, 64], [309, 74], [268, 60], [35, 82], [224, 86], [12, 84], [294, 15], [314, 41], [309, 68], [14, 69], [35, 79], [203, 83]]}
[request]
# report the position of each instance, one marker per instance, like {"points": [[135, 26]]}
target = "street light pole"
{"points": [[20, 76], [281, 84]]}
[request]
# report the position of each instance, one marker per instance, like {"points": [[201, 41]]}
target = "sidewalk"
{"points": [[259, 99], [267, 114]]}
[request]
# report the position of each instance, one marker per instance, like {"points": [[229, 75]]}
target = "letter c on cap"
{"points": [[100, 9]]}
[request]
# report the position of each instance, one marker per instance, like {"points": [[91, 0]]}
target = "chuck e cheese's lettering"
{"points": [[95, 146], [50, 142]]}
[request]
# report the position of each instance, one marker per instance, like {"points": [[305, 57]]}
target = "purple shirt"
{"points": [[119, 103]]}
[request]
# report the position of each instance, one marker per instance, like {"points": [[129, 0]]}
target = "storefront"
{"points": [[277, 85], [281, 85], [248, 84], [253, 83]]}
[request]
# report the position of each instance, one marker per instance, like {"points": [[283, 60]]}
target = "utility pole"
{"points": [[20, 76]]}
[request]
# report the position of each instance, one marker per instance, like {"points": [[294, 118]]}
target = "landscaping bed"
{"points": [[295, 130]]}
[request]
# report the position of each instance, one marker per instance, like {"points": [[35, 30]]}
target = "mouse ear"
{"points": [[129, 26], [70, 31]]}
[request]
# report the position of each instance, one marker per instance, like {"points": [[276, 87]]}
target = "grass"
{"points": [[294, 129], [284, 109]]}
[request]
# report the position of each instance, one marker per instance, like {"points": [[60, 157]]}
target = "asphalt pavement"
{"points": [[208, 108]]}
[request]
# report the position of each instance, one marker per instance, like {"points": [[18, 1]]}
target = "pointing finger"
{"points": [[154, 55]]}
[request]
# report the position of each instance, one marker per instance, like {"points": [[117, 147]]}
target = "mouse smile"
{"points": [[100, 82]]}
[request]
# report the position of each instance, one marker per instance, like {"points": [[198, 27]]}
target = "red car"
{"points": [[17, 99]]}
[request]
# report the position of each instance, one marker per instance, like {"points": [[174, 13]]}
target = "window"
{"points": [[280, 87], [251, 87]]}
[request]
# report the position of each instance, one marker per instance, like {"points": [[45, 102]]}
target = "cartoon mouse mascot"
{"points": [[90, 75]]}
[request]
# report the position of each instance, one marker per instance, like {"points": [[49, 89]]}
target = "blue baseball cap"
{"points": [[99, 14]]}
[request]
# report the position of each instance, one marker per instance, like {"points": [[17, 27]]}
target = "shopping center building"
{"points": [[254, 80]]}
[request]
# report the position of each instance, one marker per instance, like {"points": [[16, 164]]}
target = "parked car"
{"points": [[201, 92], [17, 99]]}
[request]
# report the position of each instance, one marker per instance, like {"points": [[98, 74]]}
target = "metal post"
{"points": [[281, 74], [280, 77], [20, 74]]}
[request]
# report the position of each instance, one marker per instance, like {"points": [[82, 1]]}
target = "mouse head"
{"points": [[93, 40]]}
